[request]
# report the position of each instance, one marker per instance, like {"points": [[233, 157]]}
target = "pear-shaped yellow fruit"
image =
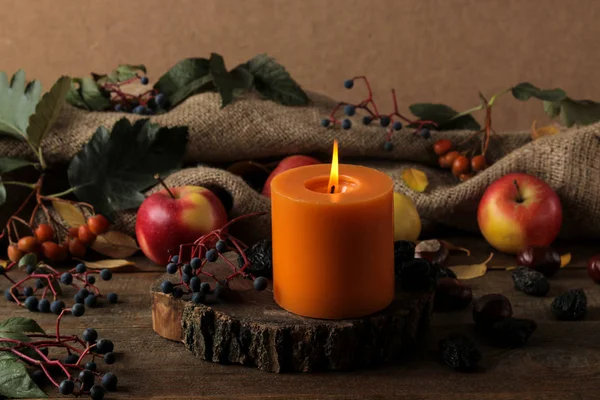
{"points": [[407, 223]]}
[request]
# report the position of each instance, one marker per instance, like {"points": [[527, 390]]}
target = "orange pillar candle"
{"points": [[333, 240]]}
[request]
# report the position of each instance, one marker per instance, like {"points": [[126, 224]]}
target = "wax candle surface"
{"points": [[333, 254]]}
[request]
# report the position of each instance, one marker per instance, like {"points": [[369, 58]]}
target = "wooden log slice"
{"points": [[247, 327]]}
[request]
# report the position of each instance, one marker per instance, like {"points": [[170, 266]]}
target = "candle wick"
{"points": [[332, 189]]}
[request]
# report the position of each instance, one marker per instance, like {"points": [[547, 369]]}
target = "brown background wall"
{"points": [[429, 50]]}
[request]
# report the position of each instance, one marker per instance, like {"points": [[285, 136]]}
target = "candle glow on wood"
{"points": [[334, 175]]}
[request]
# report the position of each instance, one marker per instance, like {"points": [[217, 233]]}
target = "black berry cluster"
{"points": [[210, 248], [393, 122], [40, 290], [75, 372], [146, 103]]}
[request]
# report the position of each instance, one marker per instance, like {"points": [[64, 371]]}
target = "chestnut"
{"points": [[433, 251], [593, 268], [490, 309], [542, 259], [451, 295]]}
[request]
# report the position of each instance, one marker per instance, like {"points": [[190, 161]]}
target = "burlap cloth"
{"points": [[251, 129]]}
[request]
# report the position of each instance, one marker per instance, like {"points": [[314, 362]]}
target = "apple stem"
{"points": [[519, 196], [159, 179]]}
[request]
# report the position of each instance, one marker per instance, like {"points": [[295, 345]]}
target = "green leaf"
{"points": [[524, 91], [28, 259], [187, 77], [5, 355], [442, 115], [552, 109], [16, 383], [86, 93], [17, 103], [2, 193], [74, 95], [113, 168], [20, 324], [20, 336], [47, 111], [579, 112], [94, 97], [222, 79], [8, 164], [275, 83], [229, 84], [123, 73]]}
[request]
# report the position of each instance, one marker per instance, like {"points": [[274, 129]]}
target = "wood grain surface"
{"points": [[561, 361], [248, 327]]}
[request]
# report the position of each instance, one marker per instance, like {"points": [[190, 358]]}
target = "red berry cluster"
{"points": [[43, 241], [462, 166], [390, 121], [75, 374]]}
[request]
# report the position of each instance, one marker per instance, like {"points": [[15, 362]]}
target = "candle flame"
{"points": [[334, 176]]}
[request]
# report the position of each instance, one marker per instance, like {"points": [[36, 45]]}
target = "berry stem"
{"points": [[17, 183], [162, 182], [63, 193]]}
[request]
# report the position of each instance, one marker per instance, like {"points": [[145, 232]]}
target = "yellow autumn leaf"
{"points": [[69, 213], [415, 179], [565, 259], [3, 263], [115, 244], [471, 271], [547, 130], [109, 264]]}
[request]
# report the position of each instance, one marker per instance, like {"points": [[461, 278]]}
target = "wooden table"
{"points": [[562, 360]]}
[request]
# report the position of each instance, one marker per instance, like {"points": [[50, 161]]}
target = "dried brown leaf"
{"points": [[72, 215], [115, 244], [109, 264]]}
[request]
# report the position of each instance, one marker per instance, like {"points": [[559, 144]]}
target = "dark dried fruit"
{"points": [[260, 256], [459, 352], [417, 275], [403, 251], [530, 281], [570, 306], [432, 250], [512, 332], [490, 309], [451, 295], [542, 259]]}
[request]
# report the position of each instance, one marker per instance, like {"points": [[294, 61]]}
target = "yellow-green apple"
{"points": [[179, 215], [517, 211], [285, 164]]}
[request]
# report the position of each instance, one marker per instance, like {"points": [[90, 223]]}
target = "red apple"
{"points": [[517, 211], [165, 222], [285, 164]]}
